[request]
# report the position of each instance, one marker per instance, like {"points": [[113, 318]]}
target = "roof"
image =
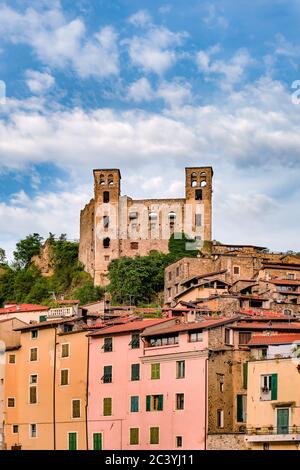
{"points": [[63, 302], [268, 315], [244, 325], [137, 325], [281, 338], [22, 308], [286, 282], [199, 325], [46, 324], [108, 169], [201, 276]]}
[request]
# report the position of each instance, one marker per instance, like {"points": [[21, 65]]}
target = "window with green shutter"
{"points": [[155, 371], [107, 406], [72, 441], [135, 341], [148, 403], [154, 435], [135, 372], [245, 375], [134, 404], [107, 375], [274, 386], [241, 408], [97, 441], [134, 436], [154, 402]]}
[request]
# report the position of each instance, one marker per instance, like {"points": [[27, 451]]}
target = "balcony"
{"points": [[272, 434]]}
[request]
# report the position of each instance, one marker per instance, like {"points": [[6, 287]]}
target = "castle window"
{"points": [[110, 180], [203, 184], [133, 215], [198, 194], [194, 183], [194, 175], [172, 216], [106, 242], [203, 174], [106, 221], [102, 180], [134, 245], [152, 216], [106, 196]]}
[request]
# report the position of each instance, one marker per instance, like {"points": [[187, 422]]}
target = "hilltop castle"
{"points": [[112, 226]]}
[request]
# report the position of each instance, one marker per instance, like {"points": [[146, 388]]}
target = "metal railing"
{"points": [[271, 430]]}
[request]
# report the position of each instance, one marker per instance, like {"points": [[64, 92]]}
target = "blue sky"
{"points": [[150, 87]]}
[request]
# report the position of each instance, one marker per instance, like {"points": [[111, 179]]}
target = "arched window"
{"points": [[203, 184], [172, 215], [194, 183], [102, 180], [106, 242], [110, 180], [203, 174], [194, 175], [106, 196], [152, 216]]}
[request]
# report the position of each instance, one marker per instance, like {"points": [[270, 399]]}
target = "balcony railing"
{"points": [[270, 430]]}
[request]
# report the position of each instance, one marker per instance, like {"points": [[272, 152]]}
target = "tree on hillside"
{"points": [[26, 249]]}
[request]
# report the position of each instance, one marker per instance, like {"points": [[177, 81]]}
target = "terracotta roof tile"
{"points": [[138, 325], [22, 308], [287, 338]]}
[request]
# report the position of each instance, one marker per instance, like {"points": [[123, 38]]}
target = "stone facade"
{"points": [[230, 441], [113, 226]]}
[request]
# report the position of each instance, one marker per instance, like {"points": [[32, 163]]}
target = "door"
{"points": [[97, 438], [283, 420], [72, 441]]}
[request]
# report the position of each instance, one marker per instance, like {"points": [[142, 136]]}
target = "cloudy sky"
{"points": [[151, 87]]}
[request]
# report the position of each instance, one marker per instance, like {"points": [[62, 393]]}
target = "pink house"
{"points": [[147, 386]]}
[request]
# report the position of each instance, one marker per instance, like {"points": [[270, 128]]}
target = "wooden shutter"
{"points": [[97, 438], [65, 350], [240, 408], [134, 436], [274, 387], [76, 408], [107, 406], [134, 404], [155, 371], [160, 402], [32, 395], [72, 441], [154, 435], [245, 375], [148, 403], [64, 377]]}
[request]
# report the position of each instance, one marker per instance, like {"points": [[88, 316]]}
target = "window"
{"points": [[76, 405], [154, 435], [194, 183], [107, 375], [170, 275], [133, 215], [134, 404], [163, 340], [154, 402], [244, 337], [236, 270], [107, 406], [105, 196], [33, 395], [111, 180], [10, 402], [134, 245], [169, 291], [172, 215], [178, 441], [65, 350], [97, 441], [198, 194], [33, 354], [245, 375], [241, 407], [102, 180], [228, 336], [64, 377], [287, 312], [108, 345], [221, 387], [106, 258], [12, 359], [152, 216], [180, 369], [15, 429], [135, 372], [33, 430], [291, 276], [72, 441], [179, 401], [203, 184], [198, 220], [268, 387], [177, 271], [67, 328], [220, 418], [106, 242], [155, 371], [34, 334], [197, 336], [135, 341], [134, 436], [106, 221]]}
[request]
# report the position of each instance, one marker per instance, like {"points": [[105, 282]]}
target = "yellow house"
{"points": [[273, 404], [45, 388]]}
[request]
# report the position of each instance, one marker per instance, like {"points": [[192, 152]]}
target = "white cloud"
{"points": [[155, 51], [214, 18], [39, 82], [231, 71], [59, 43], [140, 18], [141, 90], [175, 93]]}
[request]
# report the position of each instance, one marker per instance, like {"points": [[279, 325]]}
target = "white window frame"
{"points": [[12, 429], [37, 398], [61, 350], [37, 353], [9, 356], [9, 398], [37, 379], [69, 377], [30, 429], [221, 419]]}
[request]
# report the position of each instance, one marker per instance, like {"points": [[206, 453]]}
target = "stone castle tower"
{"points": [[112, 226]]}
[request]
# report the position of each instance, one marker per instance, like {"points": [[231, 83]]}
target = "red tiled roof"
{"points": [[22, 308], [265, 314], [266, 326], [200, 325], [287, 282], [129, 326], [274, 339]]}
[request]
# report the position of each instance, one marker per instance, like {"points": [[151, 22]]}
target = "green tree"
{"points": [[26, 249]]}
